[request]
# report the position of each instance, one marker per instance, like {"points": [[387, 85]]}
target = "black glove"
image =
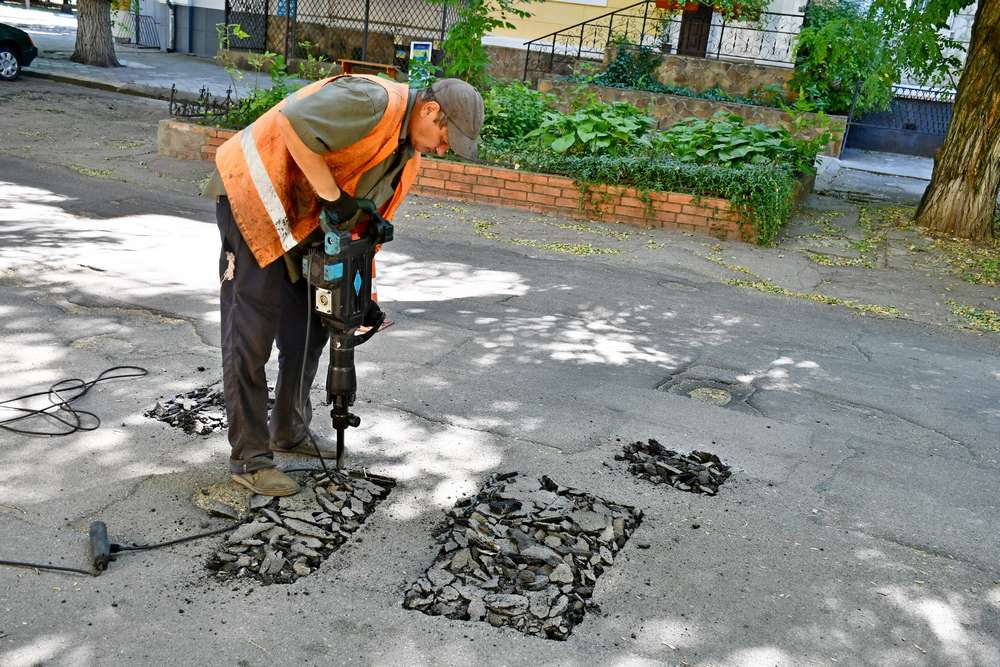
{"points": [[339, 211], [373, 315]]}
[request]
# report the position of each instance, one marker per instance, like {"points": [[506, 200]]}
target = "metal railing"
{"points": [[769, 40]]}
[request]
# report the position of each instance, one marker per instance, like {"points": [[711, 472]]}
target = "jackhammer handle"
{"points": [[100, 546]]}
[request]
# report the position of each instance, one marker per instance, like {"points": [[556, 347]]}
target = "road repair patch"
{"points": [[201, 411], [523, 553], [697, 472], [287, 538]]}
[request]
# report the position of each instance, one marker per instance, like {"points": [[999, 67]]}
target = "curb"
{"points": [[149, 92]]}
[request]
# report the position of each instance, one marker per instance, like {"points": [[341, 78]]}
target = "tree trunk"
{"points": [[94, 43], [961, 198]]}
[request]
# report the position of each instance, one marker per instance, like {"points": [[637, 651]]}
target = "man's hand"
{"points": [[340, 210]]}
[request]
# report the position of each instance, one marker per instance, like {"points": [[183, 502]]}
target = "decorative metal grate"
{"points": [[205, 106], [702, 34]]}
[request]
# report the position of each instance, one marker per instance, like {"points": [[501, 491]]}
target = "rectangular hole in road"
{"points": [[287, 538], [523, 553], [697, 472]]}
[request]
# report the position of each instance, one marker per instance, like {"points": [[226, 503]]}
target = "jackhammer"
{"points": [[340, 273]]}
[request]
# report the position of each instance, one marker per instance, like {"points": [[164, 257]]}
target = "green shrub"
{"points": [[762, 193], [512, 111], [725, 139], [614, 129]]}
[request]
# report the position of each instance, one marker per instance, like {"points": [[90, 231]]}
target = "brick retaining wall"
{"points": [[559, 195], [512, 188]]}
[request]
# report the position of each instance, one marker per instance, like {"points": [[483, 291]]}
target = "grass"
{"points": [[95, 173], [768, 287], [980, 319], [484, 229]]}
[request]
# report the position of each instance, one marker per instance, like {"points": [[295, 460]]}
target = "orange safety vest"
{"points": [[273, 203]]}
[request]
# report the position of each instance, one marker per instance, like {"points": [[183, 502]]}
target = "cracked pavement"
{"points": [[860, 526]]}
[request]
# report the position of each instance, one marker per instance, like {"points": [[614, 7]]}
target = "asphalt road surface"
{"points": [[860, 525]]}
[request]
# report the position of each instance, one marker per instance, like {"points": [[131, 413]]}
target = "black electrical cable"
{"points": [[75, 423], [116, 548], [39, 566], [58, 403]]}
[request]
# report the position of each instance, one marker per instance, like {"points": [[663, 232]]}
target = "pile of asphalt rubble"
{"points": [[523, 553], [287, 538], [201, 411], [697, 472]]}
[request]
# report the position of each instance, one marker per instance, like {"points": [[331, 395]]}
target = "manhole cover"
{"points": [[711, 395], [523, 553], [697, 472], [287, 538]]}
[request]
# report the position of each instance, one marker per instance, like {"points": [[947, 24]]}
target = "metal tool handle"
{"points": [[100, 546]]}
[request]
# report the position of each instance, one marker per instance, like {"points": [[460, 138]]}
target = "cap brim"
{"points": [[463, 145]]}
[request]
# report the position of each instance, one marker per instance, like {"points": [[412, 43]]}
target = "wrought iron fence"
{"points": [[371, 30], [204, 106], [769, 40]]}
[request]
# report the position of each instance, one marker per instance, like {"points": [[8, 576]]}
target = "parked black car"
{"points": [[16, 51]]}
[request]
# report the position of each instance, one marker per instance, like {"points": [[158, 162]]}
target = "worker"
{"points": [[320, 150]]}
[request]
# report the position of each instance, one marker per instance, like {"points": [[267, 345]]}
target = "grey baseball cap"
{"points": [[463, 106]]}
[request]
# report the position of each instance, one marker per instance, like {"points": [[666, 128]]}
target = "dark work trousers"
{"points": [[259, 307]]}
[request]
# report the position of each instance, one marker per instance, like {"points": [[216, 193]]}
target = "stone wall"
{"points": [[668, 109], [734, 77]]}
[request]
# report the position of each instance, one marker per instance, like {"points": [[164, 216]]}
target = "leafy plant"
{"points": [[259, 100], [513, 110], [422, 73], [725, 139], [850, 46], [762, 193], [466, 57], [226, 33], [315, 66], [612, 129]]}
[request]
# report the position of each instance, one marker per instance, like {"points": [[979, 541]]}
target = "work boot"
{"points": [[267, 482], [307, 446]]}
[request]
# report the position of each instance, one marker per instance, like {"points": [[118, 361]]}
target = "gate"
{"points": [[251, 17], [915, 123]]}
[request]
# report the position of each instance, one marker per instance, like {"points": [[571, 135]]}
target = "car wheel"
{"points": [[9, 65]]}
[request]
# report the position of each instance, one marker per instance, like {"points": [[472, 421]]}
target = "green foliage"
{"points": [[762, 193], [259, 100], [513, 110], [849, 46], [725, 139], [612, 129], [465, 55], [422, 73], [315, 66], [839, 51]]}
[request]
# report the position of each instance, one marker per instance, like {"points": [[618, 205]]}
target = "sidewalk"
{"points": [[146, 72], [874, 176]]}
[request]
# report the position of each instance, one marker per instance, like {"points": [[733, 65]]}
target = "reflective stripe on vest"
{"points": [[265, 189]]}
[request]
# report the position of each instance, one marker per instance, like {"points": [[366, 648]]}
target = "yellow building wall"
{"points": [[554, 15]]}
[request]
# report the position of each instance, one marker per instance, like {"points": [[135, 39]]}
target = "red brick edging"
{"points": [[543, 193], [513, 188]]}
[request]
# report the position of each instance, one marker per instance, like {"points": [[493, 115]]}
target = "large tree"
{"points": [[94, 42], [961, 198]]}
